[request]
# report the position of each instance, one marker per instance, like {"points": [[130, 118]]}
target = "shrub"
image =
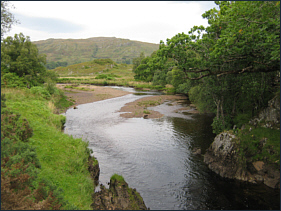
{"points": [[217, 126], [20, 167], [12, 80], [39, 90]]}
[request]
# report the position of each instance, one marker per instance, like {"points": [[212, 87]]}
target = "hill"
{"points": [[63, 52]]}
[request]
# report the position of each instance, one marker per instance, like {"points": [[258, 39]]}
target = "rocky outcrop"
{"points": [[223, 159], [118, 197], [269, 117]]}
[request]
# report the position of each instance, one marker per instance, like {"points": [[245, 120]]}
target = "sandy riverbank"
{"points": [[137, 108]]}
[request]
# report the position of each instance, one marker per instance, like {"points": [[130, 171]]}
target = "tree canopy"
{"points": [[7, 18], [243, 36], [20, 56], [230, 67]]}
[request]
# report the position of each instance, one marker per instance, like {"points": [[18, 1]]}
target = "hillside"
{"points": [[73, 51]]}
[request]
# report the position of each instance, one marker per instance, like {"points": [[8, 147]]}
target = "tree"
{"points": [[20, 56], [7, 18], [137, 61], [231, 65]]}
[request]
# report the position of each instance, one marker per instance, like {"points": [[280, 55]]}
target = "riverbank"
{"points": [[81, 94]]}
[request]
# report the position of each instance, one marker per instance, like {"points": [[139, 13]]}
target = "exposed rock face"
{"points": [[270, 115], [118, 197], [94, 169], [222, 158]]}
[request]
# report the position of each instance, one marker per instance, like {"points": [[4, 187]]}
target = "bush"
{"points": [[12, 80], [241, 119], [20, 167], [104, 61], [217, 125], [39, 90]]}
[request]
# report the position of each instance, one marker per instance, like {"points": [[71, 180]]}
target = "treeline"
{"points": [[53, 65], [230, 68]]}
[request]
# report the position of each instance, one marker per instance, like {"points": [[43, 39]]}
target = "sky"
{"points": [[146, 21]]}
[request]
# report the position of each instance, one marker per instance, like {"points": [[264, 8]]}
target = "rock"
{"points": [[271, 115], [145, 116], [258, 165], [196, 151], [118, 197], [94, 169], [221, 158], [75, 107]]}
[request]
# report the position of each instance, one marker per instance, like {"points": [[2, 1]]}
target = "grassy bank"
{"points": [[63, 159]]}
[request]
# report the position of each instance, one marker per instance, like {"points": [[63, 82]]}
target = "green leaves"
{"points": [[20, 56]]}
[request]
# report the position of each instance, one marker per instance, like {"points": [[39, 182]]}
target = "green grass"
{"points": [[63, 158], [146, 112], [148, 103], [117, 177], [250, 144]]}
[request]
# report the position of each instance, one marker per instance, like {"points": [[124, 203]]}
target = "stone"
{"points": [[197, 151], [145, 116], [258, 165], [118, 197]]}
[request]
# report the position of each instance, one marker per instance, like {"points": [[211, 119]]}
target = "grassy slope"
{"points": [[63, 158], [86, 72], [82, 50]]}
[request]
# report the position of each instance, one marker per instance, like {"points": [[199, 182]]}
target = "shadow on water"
{"points": [[155, 157]]}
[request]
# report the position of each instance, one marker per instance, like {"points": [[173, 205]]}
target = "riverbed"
{"points": [[156, 157]]}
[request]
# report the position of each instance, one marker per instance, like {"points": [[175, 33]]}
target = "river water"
{"points": [[155, 156]]}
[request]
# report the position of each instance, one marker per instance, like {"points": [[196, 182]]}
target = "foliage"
{"points": [[104, 61], [52, 65], [63, 159], [110, 76], [20, 167], [12, 80], [20, 56], [41, 91], [230, 68], [260, 144], [7, 18], [137, 61], [117, 177]]}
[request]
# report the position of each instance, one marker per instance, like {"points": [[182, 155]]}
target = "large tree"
{"points": [[20, 56], [231, 66], [242, 36]]}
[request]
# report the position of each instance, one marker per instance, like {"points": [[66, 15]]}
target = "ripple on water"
{"points": [[155, 157]]}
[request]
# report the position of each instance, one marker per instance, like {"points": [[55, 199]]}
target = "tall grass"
{"points": [[63, 158]]}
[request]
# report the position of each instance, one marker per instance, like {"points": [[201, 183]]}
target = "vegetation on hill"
{"points": [[63, 52]]}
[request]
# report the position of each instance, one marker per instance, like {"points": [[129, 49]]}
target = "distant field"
{"points": [[101, 72]]}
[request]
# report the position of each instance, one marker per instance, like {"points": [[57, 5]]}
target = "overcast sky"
{"points": [[147, 21]]}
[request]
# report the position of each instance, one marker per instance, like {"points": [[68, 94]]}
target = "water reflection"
{"points": [[155, 157]]}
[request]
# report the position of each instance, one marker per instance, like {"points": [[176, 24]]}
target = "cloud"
{"points": [[147, 21], [49, 25]]}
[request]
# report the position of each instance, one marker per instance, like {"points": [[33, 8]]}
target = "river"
{"points": [[155, 156]]}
